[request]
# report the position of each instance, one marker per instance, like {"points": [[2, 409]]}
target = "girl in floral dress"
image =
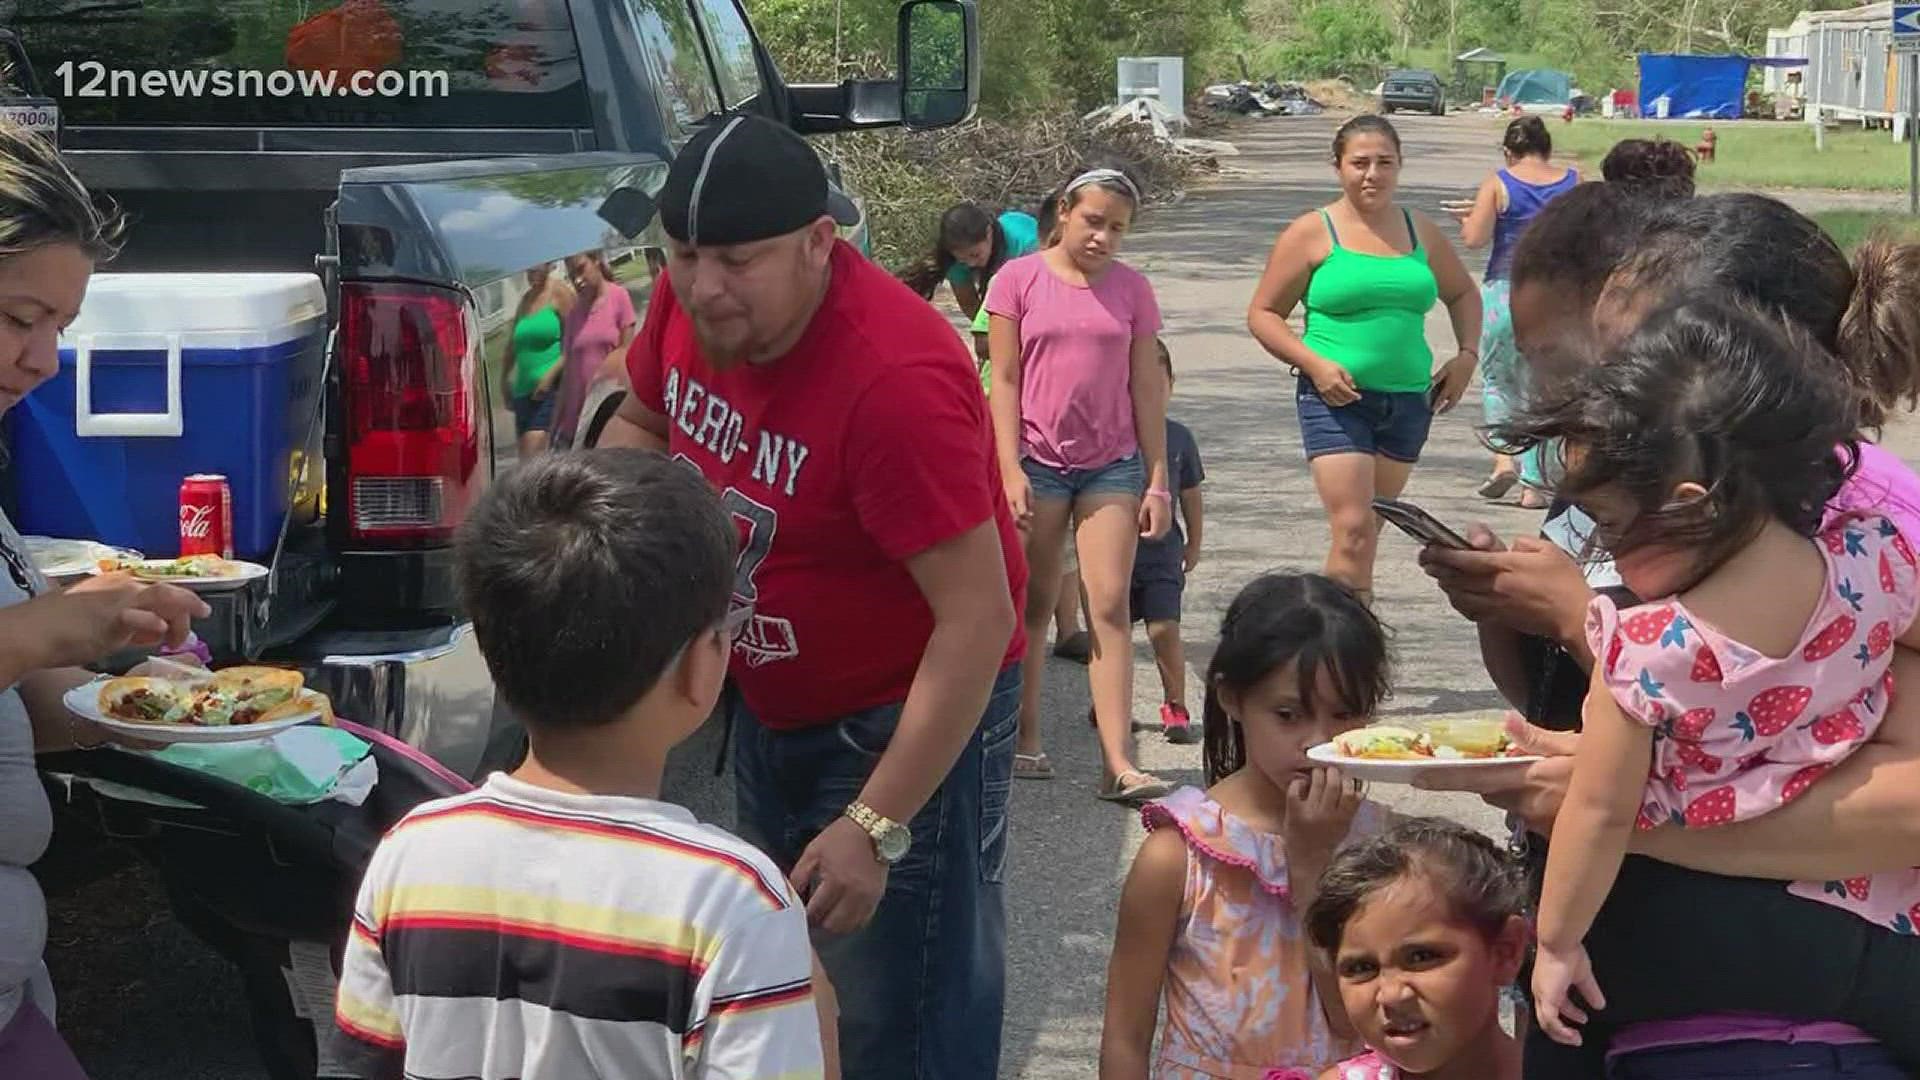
{"points": [[1210, 915], [1704, 452]]}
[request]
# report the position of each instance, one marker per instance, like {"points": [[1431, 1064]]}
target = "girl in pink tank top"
{"points": [[1424, 926]]}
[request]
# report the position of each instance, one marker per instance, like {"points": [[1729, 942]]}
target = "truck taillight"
{"points": [[408, 361]]}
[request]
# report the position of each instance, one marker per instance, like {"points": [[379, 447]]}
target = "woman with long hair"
{"points": [[1586, 277], [1366, 390], [1079, 414], [596, 332], [1502, 207], [51, 236], [971, 246], [534, 356]]}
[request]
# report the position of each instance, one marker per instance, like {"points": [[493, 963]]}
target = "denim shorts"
{"points": [[1128, 476], [533, 414], [1392, 425]]}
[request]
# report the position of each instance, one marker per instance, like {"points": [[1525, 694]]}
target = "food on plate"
{"points": [[1382, 742], [191, 566], [229, 698], [145, 700], [1473, 737], [1444, 740]]}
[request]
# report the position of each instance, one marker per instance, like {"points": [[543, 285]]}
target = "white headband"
{"points": [[1104, 176]]}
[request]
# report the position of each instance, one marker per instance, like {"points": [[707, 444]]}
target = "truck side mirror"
{"points": [[939, 62], [628, 209]]}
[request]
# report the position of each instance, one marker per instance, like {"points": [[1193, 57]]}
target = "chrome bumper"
{"points": [[429, 688]]}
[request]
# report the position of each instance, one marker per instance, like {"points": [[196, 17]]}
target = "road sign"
{"points": [[1906, 27]]}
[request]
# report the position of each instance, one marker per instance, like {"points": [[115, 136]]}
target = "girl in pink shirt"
{"points": [[600, 325], [1079, 415]]}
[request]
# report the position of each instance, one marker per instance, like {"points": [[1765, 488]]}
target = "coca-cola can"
{"points": [[206, 516]]}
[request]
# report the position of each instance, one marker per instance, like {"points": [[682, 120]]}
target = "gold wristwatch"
{"points": [[890, 838]]}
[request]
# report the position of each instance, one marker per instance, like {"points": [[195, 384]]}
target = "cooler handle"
{"points": [[169, 424]]}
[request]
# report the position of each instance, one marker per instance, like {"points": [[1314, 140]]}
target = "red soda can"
{"points": [[206, 516]]}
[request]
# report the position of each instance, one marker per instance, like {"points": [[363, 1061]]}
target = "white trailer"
{"points": [[1852, 73]]}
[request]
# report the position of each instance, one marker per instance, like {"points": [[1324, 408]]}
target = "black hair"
{"points": [[1364, 124], [585, 574], [1307, 620], [966, 224], [1527, 137], [1577, 240], [1712, 390], [1661, 168], [1166, 355], [1485, 887], [1867, 313], [1048, 219]]}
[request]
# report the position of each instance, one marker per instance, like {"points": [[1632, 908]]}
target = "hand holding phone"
{"points": [[1419, 524]]}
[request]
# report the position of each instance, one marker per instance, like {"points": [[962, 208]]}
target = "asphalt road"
{"points": [[141, 1000]]}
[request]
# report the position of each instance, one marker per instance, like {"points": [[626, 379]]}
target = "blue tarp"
{"points": [[1696, 87]]}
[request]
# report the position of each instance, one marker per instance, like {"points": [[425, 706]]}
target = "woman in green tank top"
{"points": [[1366, 390], [533, 355]]}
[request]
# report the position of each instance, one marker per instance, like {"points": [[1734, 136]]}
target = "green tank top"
{"points": [[536, 348], [1368, 313]]}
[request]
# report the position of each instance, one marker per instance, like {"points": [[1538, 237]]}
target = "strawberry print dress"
{"points": [[1738, 733]]}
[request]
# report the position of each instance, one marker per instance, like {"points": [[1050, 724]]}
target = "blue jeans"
{"points": [[922, 988]]}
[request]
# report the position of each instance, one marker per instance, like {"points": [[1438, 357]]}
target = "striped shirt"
{"points": [[518, 933]]}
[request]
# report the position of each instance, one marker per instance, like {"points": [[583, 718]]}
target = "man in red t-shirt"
{"points": [[841, 420]]}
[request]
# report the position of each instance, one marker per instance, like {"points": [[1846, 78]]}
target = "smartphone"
{"points": [[1433, 392], [1419, 524]]}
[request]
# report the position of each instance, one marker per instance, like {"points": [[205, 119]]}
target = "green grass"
{"points": [[1849, 227], [1755, 154]]}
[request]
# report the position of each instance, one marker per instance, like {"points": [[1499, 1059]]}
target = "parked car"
{"points": [[548, 135], [1413, 88]]}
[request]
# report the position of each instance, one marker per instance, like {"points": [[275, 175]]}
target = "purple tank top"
{"points": [[1523, 201]]}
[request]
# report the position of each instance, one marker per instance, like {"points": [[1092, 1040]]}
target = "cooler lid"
{"points": [[198, 303]]}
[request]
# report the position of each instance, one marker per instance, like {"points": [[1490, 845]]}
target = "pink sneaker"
{"points": [[1179, 727]]}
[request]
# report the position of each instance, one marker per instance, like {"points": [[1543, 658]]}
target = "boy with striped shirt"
{"points": [[561, 921]]}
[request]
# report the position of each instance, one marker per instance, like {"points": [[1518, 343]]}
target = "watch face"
{"points": [[893, 844]]}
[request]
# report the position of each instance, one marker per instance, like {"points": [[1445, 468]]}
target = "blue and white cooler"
{"points": [[165, 375]]}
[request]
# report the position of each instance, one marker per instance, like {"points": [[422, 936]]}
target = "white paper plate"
{"points": [[60, 559], [1434, 773], [84, 701], [243, 572]]}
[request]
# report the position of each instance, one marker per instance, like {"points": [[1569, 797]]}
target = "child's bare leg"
{"points": [[1169, 655]]}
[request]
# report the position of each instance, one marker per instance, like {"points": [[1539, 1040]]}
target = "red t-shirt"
{"points": [[867, 444]]}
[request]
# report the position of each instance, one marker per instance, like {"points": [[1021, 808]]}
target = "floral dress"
{"points": [[1738, 733], [1240, 998]]}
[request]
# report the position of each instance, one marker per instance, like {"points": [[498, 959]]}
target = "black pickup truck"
{"points": [[497, 135], [522, 132]]}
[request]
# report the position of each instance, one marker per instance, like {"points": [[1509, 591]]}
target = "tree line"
{"points": [[1055, 54]]}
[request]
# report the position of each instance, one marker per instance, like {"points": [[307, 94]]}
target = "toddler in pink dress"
{"points": [[1703, 450]]}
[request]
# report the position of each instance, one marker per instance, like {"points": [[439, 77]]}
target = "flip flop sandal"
{"points": [[1032, 767], [1143, 787], [1497, 485]]}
